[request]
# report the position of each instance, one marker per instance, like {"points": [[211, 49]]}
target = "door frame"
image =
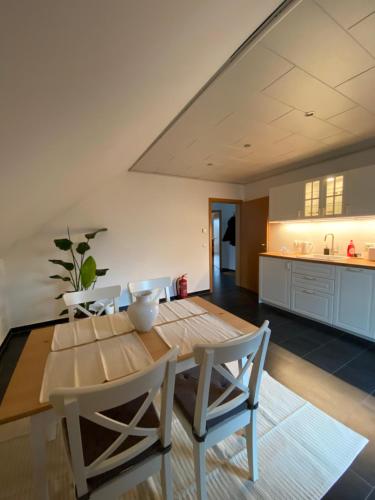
{"points": [[220, 231], [238, 204]]}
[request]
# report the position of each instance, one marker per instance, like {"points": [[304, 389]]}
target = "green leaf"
{"points": [[88, 272], [63, 312], [58, 277], [63, 244], [91, 236], [101, 272], [59, 296], [69, 266], [82, 247]]}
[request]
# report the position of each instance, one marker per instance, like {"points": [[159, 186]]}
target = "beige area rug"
{"points": [[302, 453]]}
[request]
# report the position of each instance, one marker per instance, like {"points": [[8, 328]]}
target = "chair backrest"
{"points": [[157, 285], [250, 352], [74, 300], [90, 403]]}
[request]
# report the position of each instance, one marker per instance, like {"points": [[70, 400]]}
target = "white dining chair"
{"points": [[75, 300], [157, 285], [114, 436], [212, 403]]}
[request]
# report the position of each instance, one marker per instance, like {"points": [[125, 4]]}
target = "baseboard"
{"points": [[25, 328]]}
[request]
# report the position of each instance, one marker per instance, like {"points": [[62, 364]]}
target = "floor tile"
{"points": [[334, 355], [350, 486], [301, 344], [360, 372]]}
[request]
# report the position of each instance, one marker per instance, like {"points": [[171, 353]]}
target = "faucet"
{"points": [[332, 251]]}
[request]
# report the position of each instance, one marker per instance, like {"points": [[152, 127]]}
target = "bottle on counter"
{"points": [[351, 249]]}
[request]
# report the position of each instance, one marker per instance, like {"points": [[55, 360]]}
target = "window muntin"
{"points": [[312, 196], [334, 195]]}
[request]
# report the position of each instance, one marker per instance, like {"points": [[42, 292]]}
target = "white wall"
{"points": [[154, 228], [4, 320], [228, 252], [261, 188]]}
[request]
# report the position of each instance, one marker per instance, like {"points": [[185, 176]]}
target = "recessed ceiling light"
{"points": [[309, 113], [247, 145]]}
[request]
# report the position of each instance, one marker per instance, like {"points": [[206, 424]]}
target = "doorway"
{"points": [[224, 243], [235, 247]]}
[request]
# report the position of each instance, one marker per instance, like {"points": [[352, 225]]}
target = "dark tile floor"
{"points": [[333, 370]]}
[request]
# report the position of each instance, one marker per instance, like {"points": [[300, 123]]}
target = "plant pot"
{"points": [[143, 311]]}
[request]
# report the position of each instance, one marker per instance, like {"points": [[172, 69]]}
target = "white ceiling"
{"points": [[87, 85], [319, 57]]}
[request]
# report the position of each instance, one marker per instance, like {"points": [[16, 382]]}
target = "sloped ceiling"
{"points": [[318, 59], [86, 86]]}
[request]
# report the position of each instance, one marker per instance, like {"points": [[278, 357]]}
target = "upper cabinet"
{"points": [[359, 195], [343, 194]]}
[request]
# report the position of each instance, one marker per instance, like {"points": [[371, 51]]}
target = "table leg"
{"points": [[40, 423]]}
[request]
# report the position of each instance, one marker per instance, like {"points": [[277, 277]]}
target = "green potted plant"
{"points": [[82, 270]]}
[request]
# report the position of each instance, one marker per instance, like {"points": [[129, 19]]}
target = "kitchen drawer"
{"points": [[314, 269], [313, 283], [312, 304]]}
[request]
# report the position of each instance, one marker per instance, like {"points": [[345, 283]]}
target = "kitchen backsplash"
{"points": [[283, 235]]}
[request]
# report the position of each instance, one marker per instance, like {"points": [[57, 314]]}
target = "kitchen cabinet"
{"points": [[286, 202], [354, 300], [274, 281], [343, 194], [359, 192], [312, 303], [341, 296]]}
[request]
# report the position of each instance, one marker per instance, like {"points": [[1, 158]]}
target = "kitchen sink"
{"points": [[321, 256]]}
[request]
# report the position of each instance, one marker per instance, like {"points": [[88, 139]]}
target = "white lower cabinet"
{"points": [[340, 296], [354, 300], [274, 281], [313, 304]]}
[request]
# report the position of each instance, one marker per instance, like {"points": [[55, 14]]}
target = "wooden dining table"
{"points": [[21, 398]]}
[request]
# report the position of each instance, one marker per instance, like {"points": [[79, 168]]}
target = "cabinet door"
{"points": [[275, 279], [287, 202], [354, 300], [359, 191], [311, 303]]}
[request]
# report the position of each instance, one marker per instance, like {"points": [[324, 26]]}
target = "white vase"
{"points": [[143, 311]]}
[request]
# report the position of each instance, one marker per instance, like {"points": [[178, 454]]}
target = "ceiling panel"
{"points": [[310, 39], [340, 138], [361, 89], [261, 98], [243, 77], [348, 12], [357, 121], [300, 90], [311, 127], [364, 32]]}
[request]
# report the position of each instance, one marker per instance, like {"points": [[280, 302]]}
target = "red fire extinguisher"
{"points": [[181, 286]]}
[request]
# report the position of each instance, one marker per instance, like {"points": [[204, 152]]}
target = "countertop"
{"points": [[347, 261]]}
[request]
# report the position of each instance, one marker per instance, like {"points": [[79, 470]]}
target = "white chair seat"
{"points": [[186, 388]]}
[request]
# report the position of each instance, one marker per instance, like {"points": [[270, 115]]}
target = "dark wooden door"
{"points": [[253, 238]]}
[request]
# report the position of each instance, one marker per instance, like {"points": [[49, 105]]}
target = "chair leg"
{"points": [[199, 450], [166, 477], [252, 446]]}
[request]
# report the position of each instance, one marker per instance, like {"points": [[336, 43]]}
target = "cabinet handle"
{"points": [[352, 270], [309, 292], [309, 278]]}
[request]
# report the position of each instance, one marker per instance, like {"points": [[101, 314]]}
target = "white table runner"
{"points": [[177, 309], [89, 330], [94, 363], [201, 329]]}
